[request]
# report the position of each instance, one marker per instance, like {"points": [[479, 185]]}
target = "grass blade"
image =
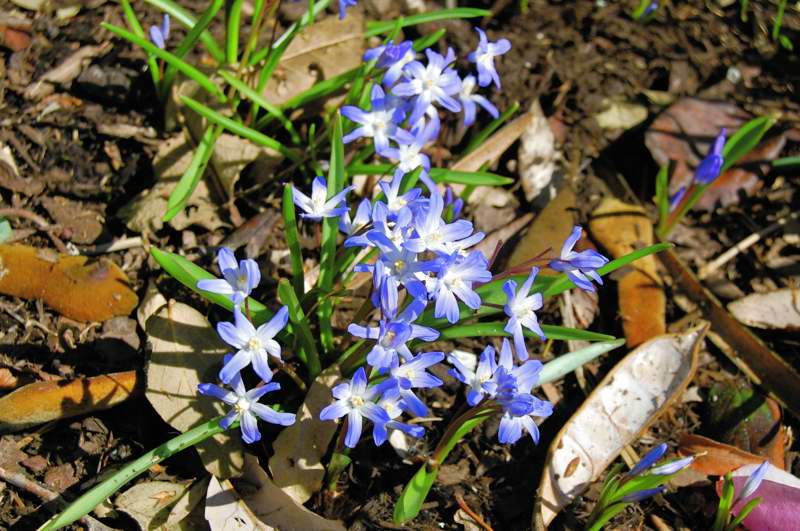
{"points": [[191, 177], [308, 349], [330, 231], [439, 175], [183, 67], [238, 128], [181, 15], [495, 329], [662, 193], [566, 363], [745, 139], [375, 28], [295, 253], [136, 27], [233, 20]]}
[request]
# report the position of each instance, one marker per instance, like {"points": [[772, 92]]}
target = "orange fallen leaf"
{"points": [[7, 379], [42, 402], [73, 286], [622, 228], [716, 458]]}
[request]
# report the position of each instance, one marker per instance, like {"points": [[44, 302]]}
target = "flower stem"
{"points": [[89, 500]]}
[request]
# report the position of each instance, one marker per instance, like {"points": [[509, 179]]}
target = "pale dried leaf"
{"points": [[186, 351], [184, 512], [225, 511], [328, 48], [274, 507], [644, 384], [297, 465], [66, 71], [149, 502], [774, 310], [537, 155], [152, 301], [621, 115]]}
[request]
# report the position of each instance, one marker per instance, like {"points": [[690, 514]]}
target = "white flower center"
{"points": [[242, 405], [254, 344], [356, 401]]}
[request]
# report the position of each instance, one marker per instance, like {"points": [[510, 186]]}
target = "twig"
{"points": [[40, 223], [743, 245], [37, 489], [116, 245], [472, 514]]}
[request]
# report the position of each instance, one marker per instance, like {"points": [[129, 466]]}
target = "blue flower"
{"points": [[395, 201], [246, 407], [519, 409], [672, 467], [393, 404], [454, 280], [254, 345], [359, 221], [650, 9], [392, 57], [456, 203], [429, 85], [238, 280], [711, 166], [754, 481], [380, 123], [676, 198], [413, 374], [357, 400], [469, 100], [475, 379], [579, 266], [160, 34], [402, 265], [343, 5], [318, 206], [484, 56], [432, 233], [648, 460], [409, 155], [521, 309]]}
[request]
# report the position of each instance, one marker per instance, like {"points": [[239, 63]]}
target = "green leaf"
{"points": [[238, 128], [308, 349], [377, 27], [258, 99], [5, 230], [662, 193], [189, 41], [189, 274], [786, 162], [182, 16], [330, 231], [295, 253], [743, 513], [429, 40], [439, 175], [191, 177], [182, 66], [136, 27], [496, 330], [566, 363], [607, 515], [745, 139], [322, 89]]}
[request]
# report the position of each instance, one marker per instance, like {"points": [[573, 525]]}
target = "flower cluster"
{"points": [[254, 346], [425, 257]]}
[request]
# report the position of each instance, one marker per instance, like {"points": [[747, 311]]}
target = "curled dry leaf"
{"points": [[42, 402], [623, 228], [715, 458], [641, 386], [149, 502], [774, 310], [75, 287], [297, 465], [186, 351], [329, 48], [273, 507], [537, 155]]}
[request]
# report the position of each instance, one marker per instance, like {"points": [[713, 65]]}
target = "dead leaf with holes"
{"points": [[622, 228], [297, 465], [628, 400], [186, 351], [74, 286], [41, 402], [773, 310], [328, 48]]}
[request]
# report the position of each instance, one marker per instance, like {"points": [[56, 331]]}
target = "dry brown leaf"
{"points": [[273, 507], [548, 230], [66, 71], [774, 310], [149, 502], [328, 48], [715, 458], [73, 286], [7, 379], [628, 400], [81, 222], [623, 228], [297, 465], [187, 351], [42, 402]]}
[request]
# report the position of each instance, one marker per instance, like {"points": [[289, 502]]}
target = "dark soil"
{"points": [[571, 57]]}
